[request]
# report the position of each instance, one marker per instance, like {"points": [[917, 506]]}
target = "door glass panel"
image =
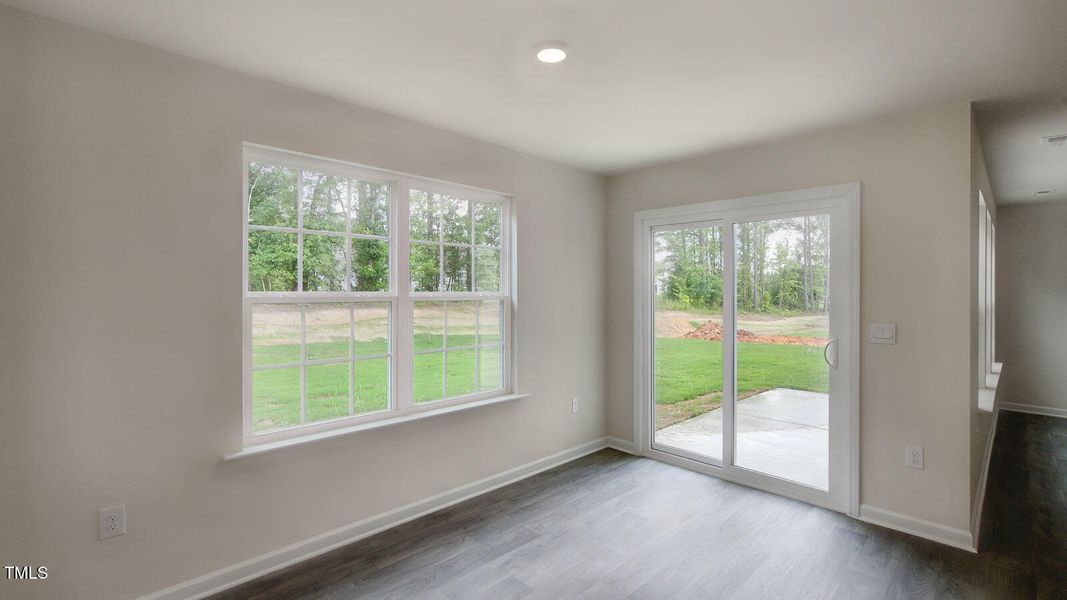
{"points": [[687, 407], [782, 379]]}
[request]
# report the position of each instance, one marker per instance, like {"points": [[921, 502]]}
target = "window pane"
{"points": [[687, 383], [425, 267], [271, 261], [275, 398], [372, 385], [372, 328], [461, 324], [275, 334], [457, 269], [489, 323], [271, 195], [456, 219], [487, 263], [327, 392], [428, 372], [429, 325], [324, 263], [370, 207], [325, 201], [424, 216], [326, 331], [487, 223], [460, 373], [489, 368], [370, 269]]}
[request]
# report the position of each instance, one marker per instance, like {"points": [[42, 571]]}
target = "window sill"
{"points": [[255, 449], [985, 399], [987, 396]]}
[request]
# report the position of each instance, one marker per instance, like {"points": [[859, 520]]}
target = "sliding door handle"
{"points": [[829, 353]]}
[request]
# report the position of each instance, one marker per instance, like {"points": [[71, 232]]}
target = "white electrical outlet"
{"points": [[574, 405], [913, 457], [112, 521]]}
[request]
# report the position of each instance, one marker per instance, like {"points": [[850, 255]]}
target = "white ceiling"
{"points": [[1020, 164], [645, 81]]}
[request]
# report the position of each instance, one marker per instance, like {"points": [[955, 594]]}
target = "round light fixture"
{"points": [[551, 52]]}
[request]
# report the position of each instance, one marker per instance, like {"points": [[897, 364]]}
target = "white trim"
{"points": [[855, 195], [936, 532], [620, 444], [254, 449], [1048, 411], [244, 571]]}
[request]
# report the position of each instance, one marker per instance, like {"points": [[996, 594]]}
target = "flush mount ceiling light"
{"points": [[551, 52]]}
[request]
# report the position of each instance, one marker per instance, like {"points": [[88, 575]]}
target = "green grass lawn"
{"points": [[688, 368], [685, 369], [276, 392]]}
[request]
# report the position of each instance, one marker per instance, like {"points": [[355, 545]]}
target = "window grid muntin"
{"points": [[436, 199], [398, 294], [347, 234], [351, 360], [476, 347]]}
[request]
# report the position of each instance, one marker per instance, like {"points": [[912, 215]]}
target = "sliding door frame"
{"points": [[843, 201]]}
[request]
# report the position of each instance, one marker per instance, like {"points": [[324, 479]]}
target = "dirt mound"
{"points": [[712, 332]]}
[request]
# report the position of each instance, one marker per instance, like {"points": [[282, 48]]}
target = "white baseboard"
{"points": [[620, 444], [983, 479], [936, 532], [259, 566], [1047, 411]]}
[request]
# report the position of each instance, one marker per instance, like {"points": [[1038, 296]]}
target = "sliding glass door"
{"points": [[747, 311]]}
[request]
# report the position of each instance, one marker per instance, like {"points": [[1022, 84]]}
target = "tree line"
{"points": [[272, 255], [470, 232], [781, 266]]}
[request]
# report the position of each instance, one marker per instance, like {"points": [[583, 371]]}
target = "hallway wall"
{"points": [[1032, 304]]}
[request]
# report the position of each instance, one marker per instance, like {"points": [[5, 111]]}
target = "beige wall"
{"points": [[915, 173], [1032, 304], [120, 361]]}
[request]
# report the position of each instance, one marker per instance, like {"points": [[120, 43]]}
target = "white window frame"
{"points": [[401, 405], [987, 290]]}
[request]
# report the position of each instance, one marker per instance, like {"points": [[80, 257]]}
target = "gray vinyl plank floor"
{"points": [[610, 525]]}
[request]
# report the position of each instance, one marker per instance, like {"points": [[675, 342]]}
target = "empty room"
{"points": [[346, 299]]}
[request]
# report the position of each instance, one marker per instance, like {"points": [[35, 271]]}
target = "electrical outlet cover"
{"points": [[913, 457], [112, 521]]}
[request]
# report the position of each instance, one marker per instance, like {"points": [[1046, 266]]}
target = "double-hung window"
{"points": [[368, 295]]}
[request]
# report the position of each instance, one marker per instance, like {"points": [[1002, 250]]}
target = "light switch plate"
{"points": [[883, 333]]}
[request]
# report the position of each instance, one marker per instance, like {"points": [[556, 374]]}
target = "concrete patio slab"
{"points": [[780, 432]]}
